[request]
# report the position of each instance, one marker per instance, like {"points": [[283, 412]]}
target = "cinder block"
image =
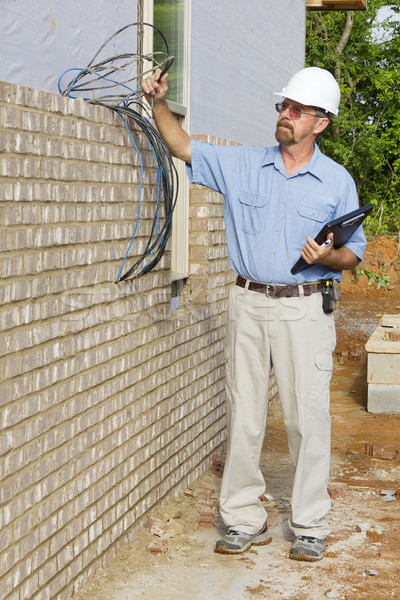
{"points": [[383, 368], [383, 398]]}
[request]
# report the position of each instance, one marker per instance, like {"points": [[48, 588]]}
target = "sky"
{"points": [[383, 14]]}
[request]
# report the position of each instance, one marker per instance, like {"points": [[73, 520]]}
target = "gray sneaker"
{"points": [[307, 548], [235, 541]]}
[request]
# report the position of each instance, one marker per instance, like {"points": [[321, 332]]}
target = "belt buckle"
{"points": [[269, 290]]}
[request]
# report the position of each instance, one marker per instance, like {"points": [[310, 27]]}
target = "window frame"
{"points": [[180, 223]]}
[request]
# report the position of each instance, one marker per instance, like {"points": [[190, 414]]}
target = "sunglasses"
{"points": [[294, 112]]}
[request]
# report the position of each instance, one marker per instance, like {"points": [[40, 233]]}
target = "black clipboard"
{"points": [[342, 229]]}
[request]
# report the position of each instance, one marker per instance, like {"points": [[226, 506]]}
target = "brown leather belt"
{"points": [[279, 291]]}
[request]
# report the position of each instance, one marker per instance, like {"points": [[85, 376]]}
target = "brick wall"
{"points": [[109, 402]]}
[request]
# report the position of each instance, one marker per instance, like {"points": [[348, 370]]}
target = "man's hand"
{"points": [[313, 253], [153, 88], [334, 258], [174, 136]]}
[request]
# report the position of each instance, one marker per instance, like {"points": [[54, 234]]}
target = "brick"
{"points": [[217, 464], [198, 224], [206, 525], [7, 92], [206, 516], [31, 121], [6, 141], [40, 99], [11, 167], [158, 547], [48, 571], [57, 584], [10, 117], [8, 560]]}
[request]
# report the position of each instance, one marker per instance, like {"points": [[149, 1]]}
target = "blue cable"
{"points": [[72, 82], [140, 193], [123, 85], [158, 217]]}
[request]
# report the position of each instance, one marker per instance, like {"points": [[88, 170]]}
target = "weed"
{"points": [[381, 279]]}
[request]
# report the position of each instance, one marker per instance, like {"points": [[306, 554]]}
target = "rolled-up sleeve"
{"points": [[212, 166], [357, 243]]}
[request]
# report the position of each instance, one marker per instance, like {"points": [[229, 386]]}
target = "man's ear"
{"points": [[321, 125]]}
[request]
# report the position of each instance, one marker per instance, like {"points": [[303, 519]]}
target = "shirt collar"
{"points": [[314, 167]]}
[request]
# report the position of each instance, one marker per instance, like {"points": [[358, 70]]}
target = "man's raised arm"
{"points": [[176, 139]]}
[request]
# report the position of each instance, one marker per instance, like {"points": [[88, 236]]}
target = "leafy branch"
{"points": [[381, 279]]}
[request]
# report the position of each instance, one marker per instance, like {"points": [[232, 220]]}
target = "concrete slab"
{"points": [[390, 320], [378, 343], [383, 368], [383, 398]]}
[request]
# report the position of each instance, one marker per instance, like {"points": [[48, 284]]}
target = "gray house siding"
{"points": [[40, 39], [242, 51]]}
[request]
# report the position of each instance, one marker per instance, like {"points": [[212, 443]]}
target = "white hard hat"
{"points": [[313, 86]]}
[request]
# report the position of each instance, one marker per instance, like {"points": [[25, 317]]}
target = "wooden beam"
{"points": [[336, 5]]}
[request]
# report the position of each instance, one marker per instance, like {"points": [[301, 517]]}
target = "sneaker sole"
{"points": [[305, 557], [223, 550]]}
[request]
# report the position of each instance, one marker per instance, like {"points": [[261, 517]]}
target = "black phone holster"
{"points": [[331, 295]]}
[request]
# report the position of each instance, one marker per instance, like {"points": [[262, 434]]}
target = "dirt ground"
{"points": [[363, 552]]}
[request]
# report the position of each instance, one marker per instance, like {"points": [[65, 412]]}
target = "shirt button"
{"points": [[251, 201], [272, 254], [313, 215], [277, 229], [283, 204]]}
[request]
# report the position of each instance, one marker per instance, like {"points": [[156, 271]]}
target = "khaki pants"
{"points": [[297, 338]]}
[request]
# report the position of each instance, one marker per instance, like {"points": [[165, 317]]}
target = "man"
{"points": [[276, 201]]}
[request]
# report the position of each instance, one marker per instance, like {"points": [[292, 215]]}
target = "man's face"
{"points": [[290, 130]]}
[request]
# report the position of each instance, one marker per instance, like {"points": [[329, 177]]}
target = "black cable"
{"points": [[127, 105]]}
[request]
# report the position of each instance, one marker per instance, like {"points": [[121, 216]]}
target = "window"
{"points": [[169, 18], [173, 19]]}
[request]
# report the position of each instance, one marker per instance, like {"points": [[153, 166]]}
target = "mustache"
{"points": [[285, 123]]}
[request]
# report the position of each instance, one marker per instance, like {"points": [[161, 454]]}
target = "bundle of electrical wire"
{"points": [[112, 82]]}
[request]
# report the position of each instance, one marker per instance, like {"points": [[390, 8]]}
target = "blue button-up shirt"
{"points": [[268, 214]]}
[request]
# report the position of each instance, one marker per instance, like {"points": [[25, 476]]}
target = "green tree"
{"points": [[363, 53]]}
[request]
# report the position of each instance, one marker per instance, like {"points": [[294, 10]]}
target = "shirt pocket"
{"points": [[311, 220], [251, 212]]}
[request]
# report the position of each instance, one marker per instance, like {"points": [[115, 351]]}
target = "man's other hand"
{"points": [[313, 253], [153, 88]]}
